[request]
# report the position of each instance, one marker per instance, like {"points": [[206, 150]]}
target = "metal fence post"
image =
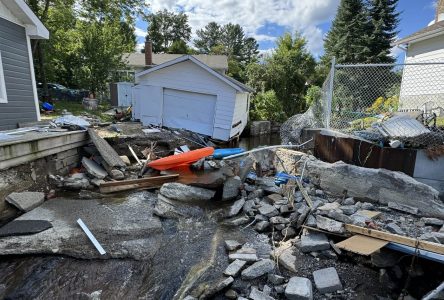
{"points": [[330, 91]]}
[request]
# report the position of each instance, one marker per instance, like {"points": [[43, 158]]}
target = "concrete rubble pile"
{"points": [[287, 221]]}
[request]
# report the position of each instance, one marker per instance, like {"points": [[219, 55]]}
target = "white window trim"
{"points": [[3, 95]]}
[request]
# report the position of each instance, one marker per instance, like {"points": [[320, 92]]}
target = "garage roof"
{"points": [[228, 80]]}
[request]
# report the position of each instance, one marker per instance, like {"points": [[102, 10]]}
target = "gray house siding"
{"points": [[16, 67]]}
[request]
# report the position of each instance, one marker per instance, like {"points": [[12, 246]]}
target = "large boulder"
{"points": [[292, 128], [185, 193], [373, 185]]}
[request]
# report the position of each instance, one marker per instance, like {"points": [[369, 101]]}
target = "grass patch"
{"points": [[77, 109]]}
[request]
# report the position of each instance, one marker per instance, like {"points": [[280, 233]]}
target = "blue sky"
{"points": [[267, 19]]}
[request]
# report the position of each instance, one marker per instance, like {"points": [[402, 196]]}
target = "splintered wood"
{"points": [[124, 185], [360, 244]]}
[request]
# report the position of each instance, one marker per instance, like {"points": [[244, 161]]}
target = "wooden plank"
{"points": [[361, 244], [124, 185], [390, 237], [305, 194]]}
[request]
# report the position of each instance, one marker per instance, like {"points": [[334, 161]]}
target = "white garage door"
{"points": [[192, 111]]}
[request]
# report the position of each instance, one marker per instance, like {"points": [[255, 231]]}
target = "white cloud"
{"points": [[302, 15], [140, 46], [140, 32]]}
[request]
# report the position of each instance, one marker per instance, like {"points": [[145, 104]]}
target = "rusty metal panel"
{"points": [[360, 153]]}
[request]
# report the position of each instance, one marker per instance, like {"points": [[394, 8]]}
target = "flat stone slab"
{"points": [[93, 168], [125, 230], [26, 201], [185, 193], [327, 280], [314, 241], [258, 269], [234, 268], [24, 227]]}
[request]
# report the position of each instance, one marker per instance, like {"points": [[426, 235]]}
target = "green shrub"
{"points": [[266, 106]]}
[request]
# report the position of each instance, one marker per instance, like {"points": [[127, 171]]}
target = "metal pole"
{"points": [[330, 92]]}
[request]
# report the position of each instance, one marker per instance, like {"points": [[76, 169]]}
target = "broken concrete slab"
{"points": [[258, 269], [235, 267], [106, 151], [329, 224], [125, 230], [26, 201], [231, 188], [185, 193], [93, 168], [404, 208], [373, 185], [314, 241], [24, 227], [168, 208], [299, 288], [327, 280]]}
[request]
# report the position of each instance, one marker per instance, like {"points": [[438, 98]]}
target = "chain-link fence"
{"points": [[383, 102]]}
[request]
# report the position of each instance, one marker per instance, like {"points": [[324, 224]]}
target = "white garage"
{"points": [[186, 93]]}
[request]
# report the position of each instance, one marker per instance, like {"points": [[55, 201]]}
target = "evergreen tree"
{"points": [[208, 37], [348, 38], [384, 20]]}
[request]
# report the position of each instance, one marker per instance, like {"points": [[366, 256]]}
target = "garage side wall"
{"points": [[240, 118], [187, 76]]}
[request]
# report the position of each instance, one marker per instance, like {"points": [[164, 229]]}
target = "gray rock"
{"points": [[359, 220], [93, 168], [168, 208], [329, 206], [329, 224], [231, 188], [348, 209], [25, 201], [286, 258], [288, 232], [299, 288], [267, 290], [236, 207], [273, 198], [73, 183], [97, 182], [275, 279], [248, 255], [327, 280], [258, 269], [404, 208], [117, 174], [268, 210], [311, 221], [314, 241], [232, 245], [235, 267], [185, 193], [303, 211], [432, 221], [367, 206], [255, 294], [236, 221], [279, 220], [262, 226], [393, 228], [348, 201], [374, 185], [335, 215], [231, 294], [249, 206], [267, 184], [189, 298]]}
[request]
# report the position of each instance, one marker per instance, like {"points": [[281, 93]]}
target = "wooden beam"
{"points": [[390, 237], [124, 185]]}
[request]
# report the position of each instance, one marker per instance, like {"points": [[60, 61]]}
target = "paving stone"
{"points": [[327, 280], [314, 241], [25, 201], [299, 288], [232, 245], [255, 294], [258, 269], [329, 224], [235, 267], [268, 210]]}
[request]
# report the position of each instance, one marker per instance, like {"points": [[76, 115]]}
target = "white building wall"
{"points": [[5, 13], [423, 83], [187, 76], [240, 113]]}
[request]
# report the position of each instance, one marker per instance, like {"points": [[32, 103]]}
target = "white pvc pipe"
{"points": [[266, 148], [91, 237]]}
